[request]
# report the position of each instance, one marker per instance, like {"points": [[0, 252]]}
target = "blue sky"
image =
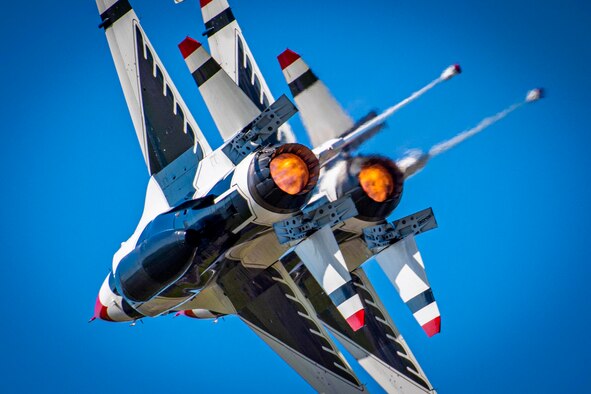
{"points": [[507, 264]]}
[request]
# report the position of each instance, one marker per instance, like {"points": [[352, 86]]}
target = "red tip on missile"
{"points": [[203, 3], [188, 46], [287, 58], [357, 320], [433, 327], [100, 311]]}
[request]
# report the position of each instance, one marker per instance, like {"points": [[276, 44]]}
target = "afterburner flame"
{"points": [[289, 172], [376, 182]]}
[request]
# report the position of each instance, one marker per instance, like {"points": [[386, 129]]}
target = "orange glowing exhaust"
{"points": [[376, 182], [289, 172]]}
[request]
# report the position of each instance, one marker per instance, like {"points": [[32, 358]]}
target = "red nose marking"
{"points": [[100, 311]]}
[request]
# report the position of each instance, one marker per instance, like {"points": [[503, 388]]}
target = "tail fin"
{"points": [[230, 108], [229, 48], [323, 117], [404, 266], [321, 255]]}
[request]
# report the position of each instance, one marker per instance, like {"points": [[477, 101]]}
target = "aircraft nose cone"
{"points": [[100, 311]]}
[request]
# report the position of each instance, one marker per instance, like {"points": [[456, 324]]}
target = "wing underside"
{"points": [[378, 346], [270, 303]]}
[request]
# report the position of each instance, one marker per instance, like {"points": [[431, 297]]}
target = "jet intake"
{"points": [[375, 185], [155, 264], [281, 179]]}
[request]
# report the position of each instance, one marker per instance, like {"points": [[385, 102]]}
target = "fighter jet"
{"points": [[262, 227]]}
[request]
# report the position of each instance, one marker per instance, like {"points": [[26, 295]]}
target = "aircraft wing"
{"points": [[322, 116], [229, 48], [378, 346], [164, 126], [270, 303]]}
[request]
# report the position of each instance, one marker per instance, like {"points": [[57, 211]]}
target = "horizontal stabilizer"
{"points": [[403, 265], [229, 107], [323, 117]]}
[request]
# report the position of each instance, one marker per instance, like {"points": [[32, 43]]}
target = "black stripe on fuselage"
{"points": [[302, 82], [420, 301], [206, 71], [218, 22], [114, 12], [342, 294]]}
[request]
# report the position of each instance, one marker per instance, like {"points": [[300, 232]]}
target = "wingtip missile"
{"points": [[451, 72], [535, 95]]}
